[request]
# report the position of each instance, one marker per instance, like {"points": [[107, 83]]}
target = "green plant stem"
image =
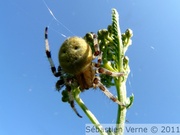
{"points": [[88, 113], [120, 82], [121, 113]]}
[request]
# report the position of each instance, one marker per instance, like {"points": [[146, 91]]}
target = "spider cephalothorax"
{"points": [[77, 69]]}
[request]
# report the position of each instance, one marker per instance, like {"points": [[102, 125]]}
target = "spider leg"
{"points": [[48, 54], [97, 51], [73, 107], [59, 84], [98, 54], [71, 100], [97, 83], [102, 70]]}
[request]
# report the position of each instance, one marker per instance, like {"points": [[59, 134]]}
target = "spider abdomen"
{"points": [[75, 55]]}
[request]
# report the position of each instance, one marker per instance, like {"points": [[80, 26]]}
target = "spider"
{"points": [[77, 67]]}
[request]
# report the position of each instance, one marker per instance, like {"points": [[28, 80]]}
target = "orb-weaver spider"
{"points": [[75, 58]]}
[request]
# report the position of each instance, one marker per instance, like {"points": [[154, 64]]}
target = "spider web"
{"points": [[55, 19]]}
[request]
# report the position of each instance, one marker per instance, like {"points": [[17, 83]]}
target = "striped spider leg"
{"points": [[97, 82], [59, 73]]}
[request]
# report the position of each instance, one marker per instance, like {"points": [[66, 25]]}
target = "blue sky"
{"points": [[29, 104]]}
